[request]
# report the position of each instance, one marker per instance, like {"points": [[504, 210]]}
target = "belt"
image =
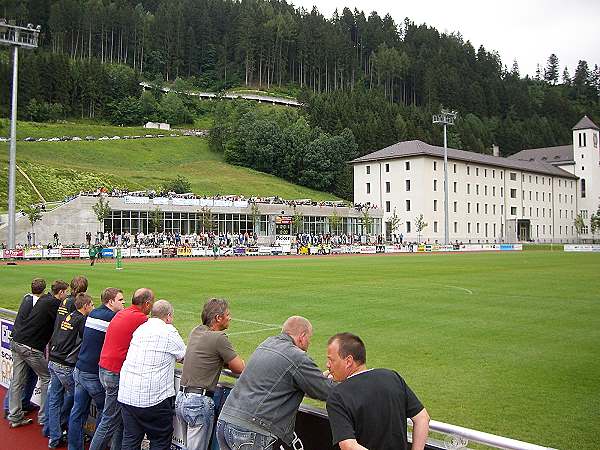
{"points": [[194, 390]]}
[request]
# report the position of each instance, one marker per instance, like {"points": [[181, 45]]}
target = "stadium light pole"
{"points": [[16, 37], [445, 118]]}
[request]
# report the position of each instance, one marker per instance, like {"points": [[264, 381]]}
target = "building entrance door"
{"points": [[524, 229]]}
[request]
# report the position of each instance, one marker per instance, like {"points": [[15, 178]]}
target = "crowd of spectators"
{"points": [[274, 200], [124, 361]]}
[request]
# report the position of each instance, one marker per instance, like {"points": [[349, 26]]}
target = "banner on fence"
{"points": [[169, 251], [13, 253], [184, 251], [69, 253], [199, 251], [582, 248], [34, 253]]}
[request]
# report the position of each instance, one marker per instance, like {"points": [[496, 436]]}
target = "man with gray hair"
{"points": [[263, 404], [207, 351], [147, 383]]}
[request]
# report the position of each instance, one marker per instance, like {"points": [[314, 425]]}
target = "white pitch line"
{"points": [[253, 331], [257, 323], [468, 291]]}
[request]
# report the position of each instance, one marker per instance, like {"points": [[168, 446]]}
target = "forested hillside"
{"points": [[378, 76]]}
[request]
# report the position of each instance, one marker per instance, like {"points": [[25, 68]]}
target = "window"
{"points": [[468, 170], [501, 192], [454, 186], [485, 190], [513, 176], [435, 165], [387, 187], [537, 196], [476, 171], [407, 165], [522, 177], [454, 168], [477, 224], [501, 175], [387, 167], [468, 208], [582, 188], [455, 204], [485, 173], [477, 189], [388, 207], [529, 195], [435, 185], [456, 227], [435, 205], [368, 170], [543, 196], [468, 188], [408, 205], [502, 210], [582, 141], [407, 185], [408, 227], [368, 188], [485, 209], [584, 214], [522, 194], [493, 173], [486, 230], [435, 227], [494, 209], [513, 193], [477, 207], [513, 210], [536, 179], [494, 191], [468, 227]]}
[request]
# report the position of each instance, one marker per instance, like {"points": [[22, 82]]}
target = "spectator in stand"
{"points": [[350, 404], [31, 333], [64, 349], [265, 400], [85, 375], [116, 343], [208, 350], [147, 383]]}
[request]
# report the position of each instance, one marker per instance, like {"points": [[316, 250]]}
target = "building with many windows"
{"points": [[534, 195]]}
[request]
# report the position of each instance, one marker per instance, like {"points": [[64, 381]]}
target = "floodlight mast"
{"points": [[16, 37], [445, 118]]}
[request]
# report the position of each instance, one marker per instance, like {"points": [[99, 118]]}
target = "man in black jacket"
{"points": [[31, 333]]}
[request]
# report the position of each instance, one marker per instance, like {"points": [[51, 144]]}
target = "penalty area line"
{"points": [[468, 291], [253, 331], [256, 323]]}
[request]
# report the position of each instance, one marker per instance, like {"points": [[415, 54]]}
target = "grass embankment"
{"points": [[505, 343], [59, 169]]}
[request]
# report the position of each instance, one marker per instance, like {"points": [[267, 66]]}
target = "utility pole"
{"points": [[446, 118], [15, 37]]}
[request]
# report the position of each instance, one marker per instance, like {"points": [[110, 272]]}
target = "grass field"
{"points": [[59, 169], [503, 343]]}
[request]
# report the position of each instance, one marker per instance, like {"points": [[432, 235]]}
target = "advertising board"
{"points": [[13, 253], [184, 251], [34, 253], [69, 252]]}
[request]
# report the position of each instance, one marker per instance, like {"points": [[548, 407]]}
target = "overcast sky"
{"points": [[525, 30]]}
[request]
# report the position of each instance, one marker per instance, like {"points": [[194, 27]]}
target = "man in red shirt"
{"points": [[116, 343]]}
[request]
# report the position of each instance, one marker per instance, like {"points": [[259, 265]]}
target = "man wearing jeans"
{"points": [[116, 343], [85, 375], [263, 404], [32, 330], [147, 383], [208, 349], [64, 349]]}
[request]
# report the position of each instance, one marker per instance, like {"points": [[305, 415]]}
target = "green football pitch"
{"points": [[507, 343]]}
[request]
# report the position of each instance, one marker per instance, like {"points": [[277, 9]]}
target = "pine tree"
{"points": [[551, 72]]}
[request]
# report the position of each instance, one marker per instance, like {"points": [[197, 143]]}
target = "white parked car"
{"points": [[103, 138], [54, 139], [41, 139], [90, 138], [77, 138], [115, 138], [27, 139]]}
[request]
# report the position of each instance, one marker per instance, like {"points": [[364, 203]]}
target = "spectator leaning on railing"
{"points": [[207, 351], [265, 400]]}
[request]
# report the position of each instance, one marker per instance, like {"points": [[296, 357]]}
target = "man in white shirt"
{"points": [[146, 386]]}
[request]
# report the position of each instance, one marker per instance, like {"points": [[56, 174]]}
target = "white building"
{"points": [[534, 195]]}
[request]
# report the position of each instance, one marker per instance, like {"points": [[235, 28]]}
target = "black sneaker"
{"points": [[19, 423]]}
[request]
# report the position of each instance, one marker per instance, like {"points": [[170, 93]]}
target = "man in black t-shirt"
{"points": [[369, 408]]}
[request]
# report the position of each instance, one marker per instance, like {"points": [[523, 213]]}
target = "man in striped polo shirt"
{"points": [[87, 381]]}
